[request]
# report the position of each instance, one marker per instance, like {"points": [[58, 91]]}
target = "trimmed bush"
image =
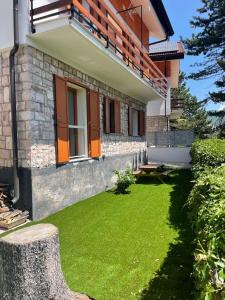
{"points": [[207, 213], [124, 180], [207, 154]]}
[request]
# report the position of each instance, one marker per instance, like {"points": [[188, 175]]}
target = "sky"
{"points": [[180, 13]]}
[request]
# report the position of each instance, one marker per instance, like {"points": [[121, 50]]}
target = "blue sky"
{"points": [[180, 13]]}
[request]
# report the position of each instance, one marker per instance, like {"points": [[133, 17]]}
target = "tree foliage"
{"points": [[194, 115], [209, 41]]}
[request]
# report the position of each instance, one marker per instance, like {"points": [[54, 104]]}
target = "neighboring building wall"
{"points": [[158, 114], [156, 123]]}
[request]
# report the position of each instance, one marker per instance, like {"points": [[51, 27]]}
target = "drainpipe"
{"points": [[13, 102]]}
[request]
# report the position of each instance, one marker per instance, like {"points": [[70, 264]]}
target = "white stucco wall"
{"points": [[6, 24], [159, 106], [169, 155]]}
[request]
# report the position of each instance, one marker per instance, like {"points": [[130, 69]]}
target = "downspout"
{"points": [[13, 102]]}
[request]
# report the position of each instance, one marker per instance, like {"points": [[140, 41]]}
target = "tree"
{"points": [[194, 115], [210, 42], [218, 121]]}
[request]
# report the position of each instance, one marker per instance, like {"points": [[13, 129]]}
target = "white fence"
{"points": [[173, 155]]}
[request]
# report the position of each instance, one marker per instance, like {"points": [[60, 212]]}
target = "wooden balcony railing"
{"points": [[106, 26], [177, 104]]}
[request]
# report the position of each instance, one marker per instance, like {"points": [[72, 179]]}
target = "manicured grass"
{"points": [[133, 246]]}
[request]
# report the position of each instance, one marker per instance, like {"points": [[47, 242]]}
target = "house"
{"points": [[76, 78], [167, 56]]}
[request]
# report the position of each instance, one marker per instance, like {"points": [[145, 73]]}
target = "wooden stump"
{"points": [[30, 266]]}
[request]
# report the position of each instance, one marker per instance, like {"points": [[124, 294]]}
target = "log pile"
{"points": [[9, 217]]}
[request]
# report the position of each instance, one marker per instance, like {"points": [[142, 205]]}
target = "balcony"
{"points": [[177, 106], [91, 38]]}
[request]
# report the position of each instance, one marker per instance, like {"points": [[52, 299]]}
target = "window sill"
{"points": [[76, 160]]}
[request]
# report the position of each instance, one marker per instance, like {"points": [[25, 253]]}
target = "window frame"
{"points": [[73, 87], [140, 119], [110, 126]]}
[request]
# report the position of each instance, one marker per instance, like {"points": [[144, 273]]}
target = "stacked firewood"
{"points": [[9, 217]]}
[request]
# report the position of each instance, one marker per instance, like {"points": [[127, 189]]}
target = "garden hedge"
{"points": [[207, 154], [207, 214]]}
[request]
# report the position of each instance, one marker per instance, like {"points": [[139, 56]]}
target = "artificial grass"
{"points": [[133, 246]]}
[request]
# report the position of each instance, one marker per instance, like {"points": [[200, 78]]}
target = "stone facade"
{"points": [[35, 104], [23, 86], [45, 187], [156, 123]]}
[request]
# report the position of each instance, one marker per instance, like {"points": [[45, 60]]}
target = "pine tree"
{"points": [[210, 42], [194, 116]]}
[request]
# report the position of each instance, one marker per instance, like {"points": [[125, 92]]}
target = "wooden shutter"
{"points": [[117, 116], [130, 121], [94, 124], [107, 115], [141, 125], [62, 128]]}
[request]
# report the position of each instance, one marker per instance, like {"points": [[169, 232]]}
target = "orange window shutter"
{"points": [[130, 121], [107, 115], [141, 123], [94, 124], [62, 140], [117, 116]]}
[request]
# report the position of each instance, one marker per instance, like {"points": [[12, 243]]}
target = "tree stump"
{"points": [[30, 266]]}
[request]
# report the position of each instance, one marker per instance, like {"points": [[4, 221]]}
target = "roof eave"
{"points": [[163, 17], [164, 56]]}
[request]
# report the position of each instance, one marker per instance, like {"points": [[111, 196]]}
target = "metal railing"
{"points": [[106, 26], [175, 138]]}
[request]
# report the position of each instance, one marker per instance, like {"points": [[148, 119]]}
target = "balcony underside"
{"points": [[73, 44]]}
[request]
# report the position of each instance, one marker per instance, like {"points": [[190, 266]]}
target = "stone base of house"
{"points": [[157, 123], [47, 190]]}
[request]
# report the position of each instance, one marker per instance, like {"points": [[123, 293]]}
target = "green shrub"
{"points": [[124, 180], [207, 154], [207, 213]]}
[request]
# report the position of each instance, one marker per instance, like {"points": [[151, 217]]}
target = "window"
{"points": [[77, 122], [111, 116], [136, 122]]}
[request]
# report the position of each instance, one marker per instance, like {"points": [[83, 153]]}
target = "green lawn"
{"points": [[133, 246]]}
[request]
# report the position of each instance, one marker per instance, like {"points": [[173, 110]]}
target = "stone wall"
{"points": [[54, 188], [35, 105], [23, 86], [5, 116], [156, 123]]}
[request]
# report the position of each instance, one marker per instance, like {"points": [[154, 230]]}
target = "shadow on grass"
{"points": [[173, 279], [150, 180]]}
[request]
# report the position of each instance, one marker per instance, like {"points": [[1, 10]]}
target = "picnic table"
{"points": [[153, 170]]}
